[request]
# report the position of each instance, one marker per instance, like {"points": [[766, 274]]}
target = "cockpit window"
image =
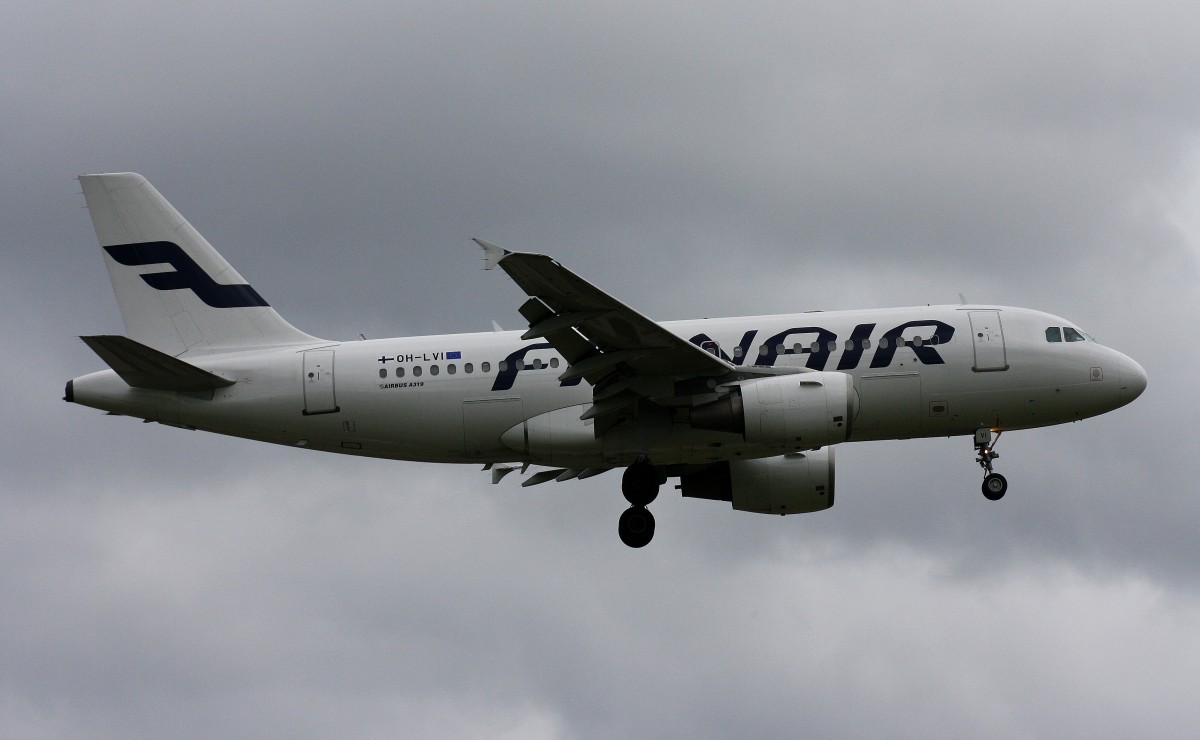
{"points": [[1066, 333]]}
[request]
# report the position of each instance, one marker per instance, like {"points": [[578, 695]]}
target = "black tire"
{"points": [[636, 526], [640, 483], [994, 487]]}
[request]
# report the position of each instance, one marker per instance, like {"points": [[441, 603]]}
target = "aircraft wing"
{"points": [[623, 355]]}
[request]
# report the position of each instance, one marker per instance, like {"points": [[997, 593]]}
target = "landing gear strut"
{"points": [[640, 486], [994, 484]]}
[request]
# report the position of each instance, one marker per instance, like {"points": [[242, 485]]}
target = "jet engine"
{"points": [[785, 412], [796, 483]]}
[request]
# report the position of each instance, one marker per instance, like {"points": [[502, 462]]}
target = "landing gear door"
{"points": [[318, 382], [988, 337]]}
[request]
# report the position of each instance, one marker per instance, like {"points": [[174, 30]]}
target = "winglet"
{"points": [[492, 254]]}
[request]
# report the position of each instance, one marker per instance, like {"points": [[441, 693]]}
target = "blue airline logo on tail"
{"points": [[187, 274]]}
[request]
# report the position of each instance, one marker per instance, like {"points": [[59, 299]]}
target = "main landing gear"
{"points": [[994, 484], [640, 486]]}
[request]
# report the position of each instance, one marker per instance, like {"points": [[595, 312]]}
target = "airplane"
{"points": [[744, 410]]}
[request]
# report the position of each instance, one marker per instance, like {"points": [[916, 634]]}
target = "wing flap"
{"points": [[558, 322]]}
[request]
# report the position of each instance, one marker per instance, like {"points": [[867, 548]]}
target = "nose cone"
{"points": [[1133, 380]]}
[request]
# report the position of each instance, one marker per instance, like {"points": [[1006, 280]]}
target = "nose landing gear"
{"points": [[994, 484], [640, 486]]}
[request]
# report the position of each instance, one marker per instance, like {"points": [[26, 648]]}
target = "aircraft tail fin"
{"points": [[176, 293]]}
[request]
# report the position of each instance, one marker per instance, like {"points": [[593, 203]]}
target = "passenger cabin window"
{"points": [[1073, 335], [1053, 334]]}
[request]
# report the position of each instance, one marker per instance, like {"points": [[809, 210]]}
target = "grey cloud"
{"points": [[694, 161]]}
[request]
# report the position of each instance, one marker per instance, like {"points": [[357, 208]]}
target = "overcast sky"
{"points": [[693, 159]]}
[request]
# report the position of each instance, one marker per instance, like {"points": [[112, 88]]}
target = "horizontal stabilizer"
{"points": [[145, 367]]}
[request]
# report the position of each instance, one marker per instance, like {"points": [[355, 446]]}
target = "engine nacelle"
{"points": [[786, 412], [796, 483]]}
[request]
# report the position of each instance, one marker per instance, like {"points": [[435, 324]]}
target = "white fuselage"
{"points": [[491, 397]]}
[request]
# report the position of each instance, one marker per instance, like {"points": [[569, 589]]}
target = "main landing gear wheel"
{"points": [[994, 487], [640, 486], [640, 483], [636, 526]]}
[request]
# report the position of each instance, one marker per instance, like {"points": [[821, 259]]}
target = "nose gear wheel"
{"points": [[994, 485]]}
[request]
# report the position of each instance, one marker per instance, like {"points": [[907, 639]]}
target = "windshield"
{"points": [[1067, 334]]}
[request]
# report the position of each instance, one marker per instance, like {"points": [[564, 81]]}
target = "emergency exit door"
{"points": [[988, 337], [318, 382]]}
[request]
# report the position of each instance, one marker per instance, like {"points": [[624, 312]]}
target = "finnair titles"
{"points": [[745, 410]]}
